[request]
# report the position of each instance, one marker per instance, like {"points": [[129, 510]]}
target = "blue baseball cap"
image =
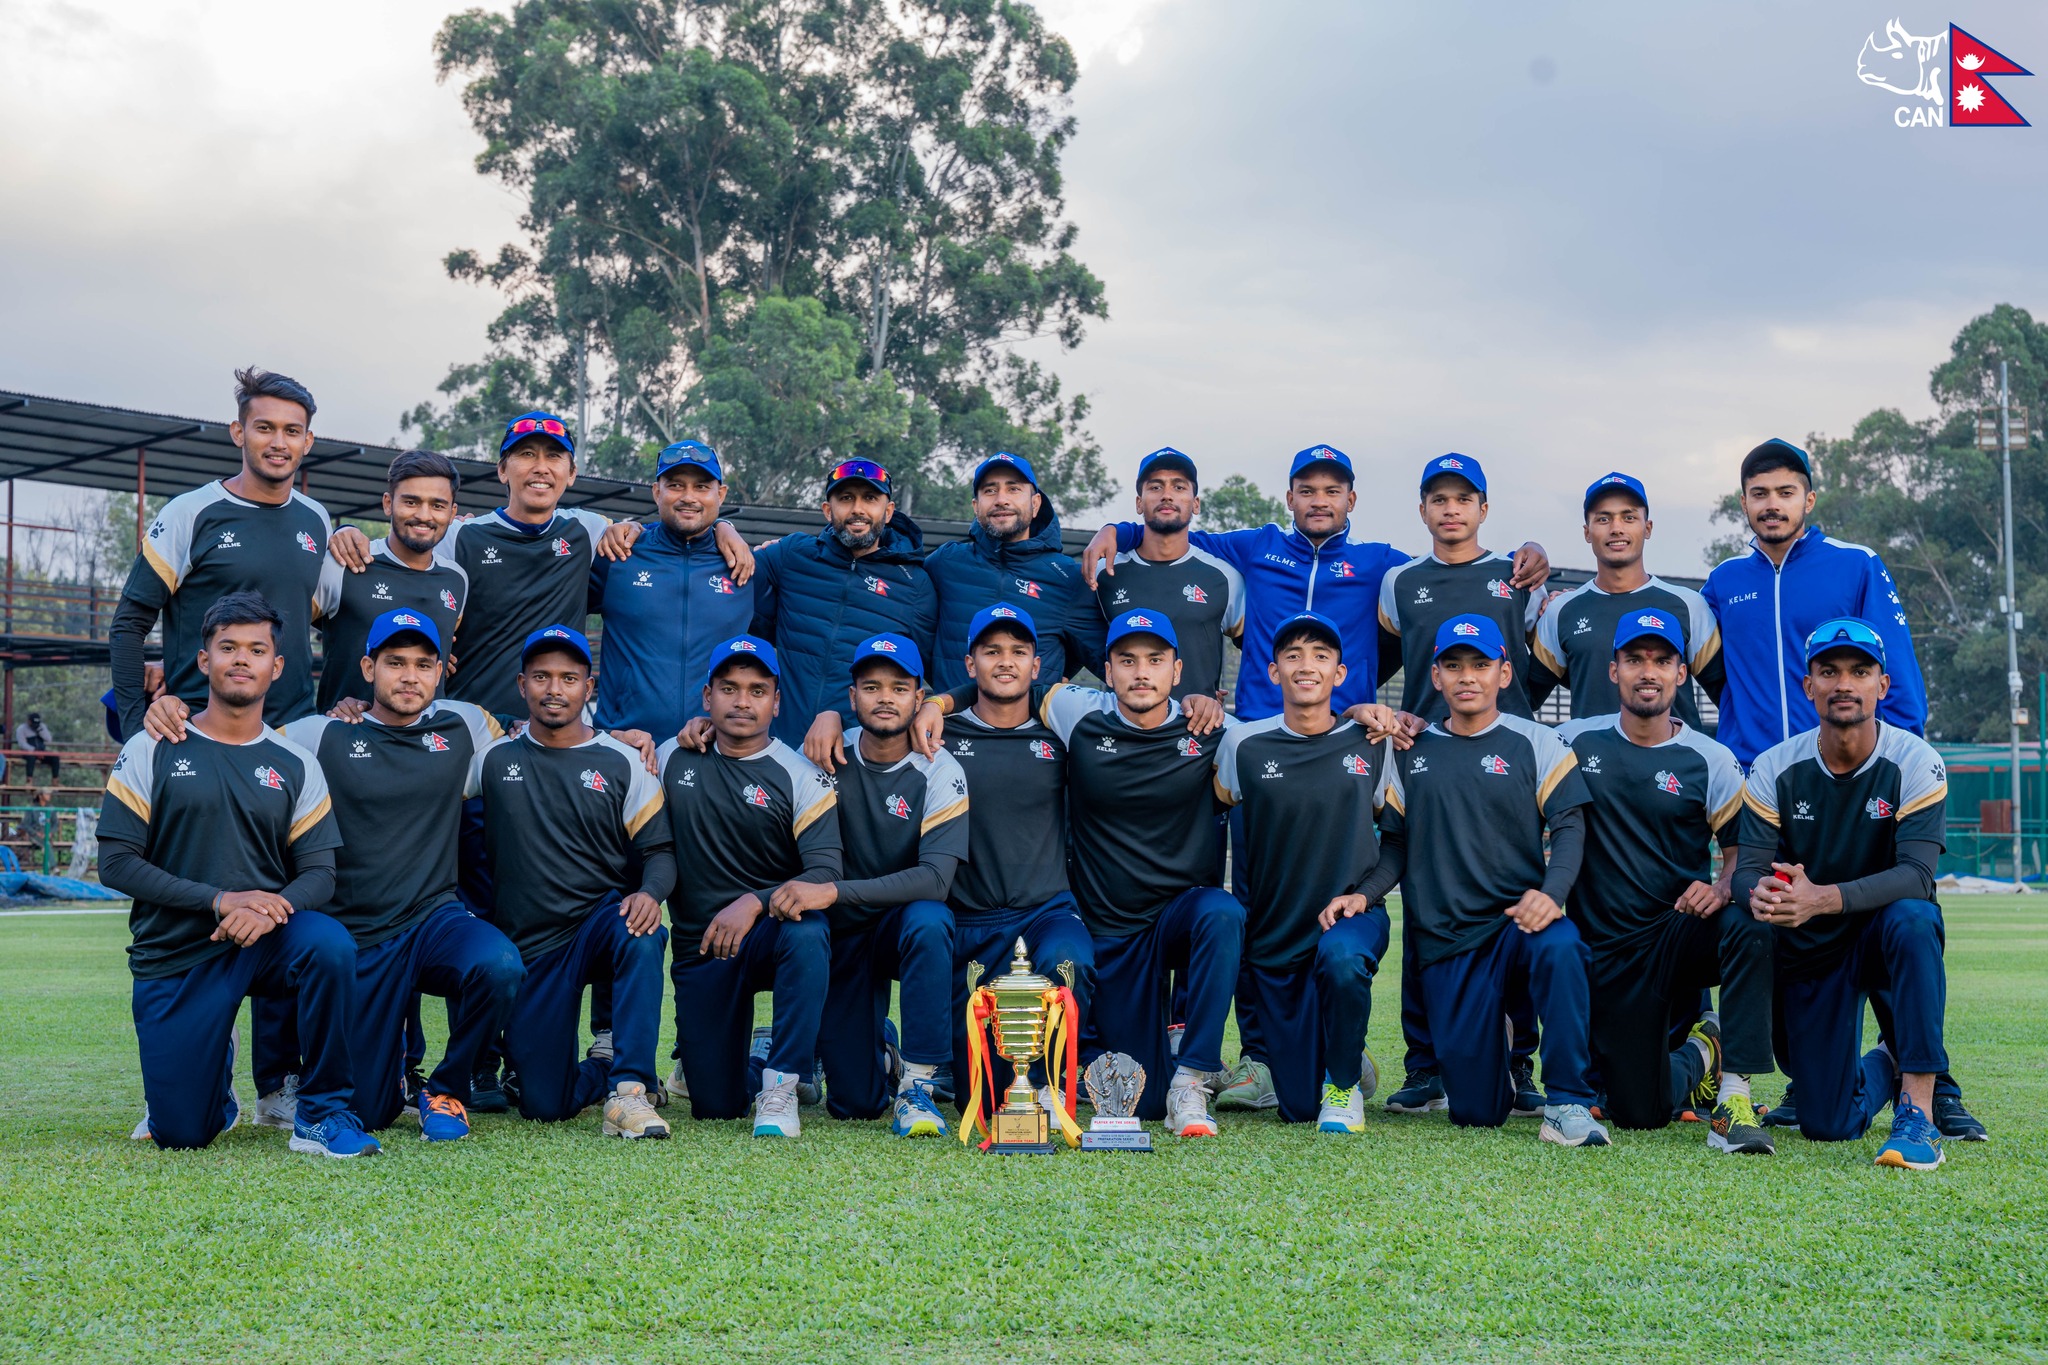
{"points": [[1641, 625], [1846, 632], [1463, 466], [1777, 449], [1166, 457], [1315, 621], [890, 648], [1002, 459], [1471, 632], [555, 637], [1321, 455], [402, 623], [1000, 614], [752, 648], [537, 423], [689, 453], [1141, 623], [1616, 483], [865, 470]]}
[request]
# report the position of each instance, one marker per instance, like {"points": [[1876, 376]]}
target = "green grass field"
{"points": [[534, 1242]]}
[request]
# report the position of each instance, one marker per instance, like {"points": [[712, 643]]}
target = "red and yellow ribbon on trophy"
{"points": [[1030, 1017]]}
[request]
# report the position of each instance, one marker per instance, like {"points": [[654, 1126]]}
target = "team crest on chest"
{"points": [[1356, 765], [1495, 764], [308, 544], [1498, 588], [1028, 588], [1877, 808], [896, 806], [755, 795], [1668, 782], [875, 585], [448, 599], [1193, 593], [594, 780], [435, 743], [1039, 749], [562, 547], [1342, 569], [270, 777], [720, 584], [1189, 747]]}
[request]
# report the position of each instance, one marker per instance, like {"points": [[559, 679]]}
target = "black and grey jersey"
{"points": [[398, 792], [1841, 828], [1017, 840], [1575, 642], [743, 826], [345, 603], [1142, 805], [1472, 809], [1419, 596], [1201, 594], [1311, 803], [890, 817], [233, 816], [207, 543], [1654, 813], [562, 829], [521, 578]]}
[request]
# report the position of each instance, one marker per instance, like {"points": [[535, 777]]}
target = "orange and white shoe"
{"points": [[1187, 1107]]}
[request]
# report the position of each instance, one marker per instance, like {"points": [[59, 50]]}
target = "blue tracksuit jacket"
{"points": [[663, 610], [982, 570]]}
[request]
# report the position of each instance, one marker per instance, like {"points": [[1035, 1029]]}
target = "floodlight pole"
{"points": [[2012, 615]]}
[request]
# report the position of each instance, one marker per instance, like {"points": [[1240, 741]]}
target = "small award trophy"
{"points": [[1027, 1013], [1115, 1081]]}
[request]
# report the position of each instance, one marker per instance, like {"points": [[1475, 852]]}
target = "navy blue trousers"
{"points": [[913, 944], [1421, 1053], [1315, 1017], [184, 1023], [1897, 948], [791, 959], [1467, 996], [453, 954], [541, 1035], [1053, 934], [1199, 933]]}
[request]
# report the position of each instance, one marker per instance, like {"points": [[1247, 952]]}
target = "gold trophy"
{"points": [[1027, 1014]]}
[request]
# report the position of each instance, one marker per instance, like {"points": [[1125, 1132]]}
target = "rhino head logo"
{"points": [[1902, 64]]}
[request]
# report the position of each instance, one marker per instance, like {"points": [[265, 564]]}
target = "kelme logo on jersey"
{"points": [[1123, 599], [1420, 765], [1272, 771], [1668, 782], [1039, 749], [1591, 765], [1028, 588], [435, 743], [1187, 590], [448, 599], [360, 749], [1189, 747], [511, 774], [380, 593], [561, 547], [688, 779], [965, 748], [270, 777], [1422, 597], [896, 806], [228, 541], [1495, 764], [1355, 764], [875, 585], [308, 544], [1583, 627], [594, 780], [1803, 811], [1877, 808], [644, 579], [720, 584], [1106, 745], [1498, 588], [755, 796], [491, 555], [184, 768]]}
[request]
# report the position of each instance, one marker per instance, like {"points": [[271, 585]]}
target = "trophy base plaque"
{"points": [[1025, 1134], [1115, 1133]]}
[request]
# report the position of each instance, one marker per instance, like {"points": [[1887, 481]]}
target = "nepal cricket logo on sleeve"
{"points": [[755, 796], [1495, 764], [1877, 808], [308, 544], [1039, 749], [896, 806], [594, 780], [1357, 766], [1192, 593], [434, 743], [270, 777], [1668, 782]]}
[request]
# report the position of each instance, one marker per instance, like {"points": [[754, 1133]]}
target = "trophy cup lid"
{"points": [[1021, 977]]}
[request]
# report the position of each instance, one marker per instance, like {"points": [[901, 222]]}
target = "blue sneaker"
{"points": [[917, 1114], [942, 1083], [339, 1135], [442, 1117], [1915, 1143]]}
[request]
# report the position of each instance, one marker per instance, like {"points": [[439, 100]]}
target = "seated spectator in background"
{"points": [[33, 735]]}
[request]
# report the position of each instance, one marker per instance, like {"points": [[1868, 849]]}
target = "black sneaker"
{"points": [[1956, 1122], [486, 1095], [1783, 1114], [942, 1083], [412, 1085], [509, 1083], [1423, 1093], [1528, 1099]]}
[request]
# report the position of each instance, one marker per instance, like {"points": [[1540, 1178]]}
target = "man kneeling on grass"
{"points": [[1841, 828], [225, 842]]}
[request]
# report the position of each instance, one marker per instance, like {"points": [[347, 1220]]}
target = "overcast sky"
{"points": [[1560, 238]]}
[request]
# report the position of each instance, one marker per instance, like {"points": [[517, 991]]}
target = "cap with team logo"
{"points": [[692, 453], [1000, 614], [865, 471], [1166, 457], [1641, 625], [1463, 466], [1329, 456], [1471, 632], [537, 424], [1142, 623], [1323, 627], [1616, 483], [1003, 459], [555, 637], [402, 623], [895, 649], [1845, 632], [752, 648]]}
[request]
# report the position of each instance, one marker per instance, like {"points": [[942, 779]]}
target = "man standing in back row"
{"points": [[1201, 593]]}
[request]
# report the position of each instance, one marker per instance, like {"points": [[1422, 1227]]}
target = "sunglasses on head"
{"points": [[858, 469], [526, 425], [1844, 633]]}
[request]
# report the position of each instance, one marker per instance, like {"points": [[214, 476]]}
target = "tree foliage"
{"points": [[692, 167], [1930, 502], [1236, 503]]}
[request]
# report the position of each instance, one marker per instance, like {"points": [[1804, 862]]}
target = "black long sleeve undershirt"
{"points": [[1910, 878], [820, 866], [658, 873], [123, 868], [1386, 873], [125, 638], [930, 880], [1567, 853]]}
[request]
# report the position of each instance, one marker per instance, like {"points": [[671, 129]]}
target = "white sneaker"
{"points": [[1343, 1110], [280, 1108], [775, 1107], [673, 1090], [629, 1114], [1187, 1109], [600, 1048], [1571, 1125]]}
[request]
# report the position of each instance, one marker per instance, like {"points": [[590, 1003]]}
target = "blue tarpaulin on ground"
{"points": [[19, 888]]}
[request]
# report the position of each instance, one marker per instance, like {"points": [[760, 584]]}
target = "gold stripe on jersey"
{"points": [[638, 818], [310, 819], [1394, 799], [1223, 793], [1705, 653], [1565, 766], [940, 817], [161, 565], [805, 819], [1546, 658], [1045, 705], [1716, 819], [1391, 627], [1762, 811], [128, 797], [1920, 803]]}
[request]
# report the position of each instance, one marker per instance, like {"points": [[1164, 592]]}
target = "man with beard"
{"points": [[903, 822], [1651, 910], [1572, 638], [1012, 553], [1767, 602], [816, 597], [1200, 592]]}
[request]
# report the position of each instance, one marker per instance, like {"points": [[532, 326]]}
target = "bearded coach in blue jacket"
{"points": [[1012, 554]]}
